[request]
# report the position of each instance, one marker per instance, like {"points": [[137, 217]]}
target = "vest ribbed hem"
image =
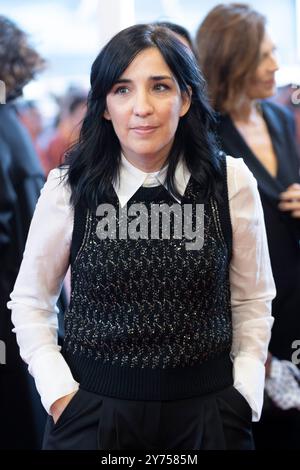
{"points": [[150, 384]]}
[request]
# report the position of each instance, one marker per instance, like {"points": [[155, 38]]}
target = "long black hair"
{"points": [[92, 165]]}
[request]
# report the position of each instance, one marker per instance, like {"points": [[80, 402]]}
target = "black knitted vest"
{"points": [[150, 319]]}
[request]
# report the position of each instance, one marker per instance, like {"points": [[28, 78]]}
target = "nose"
{"points": [[142, 105], [273, 63]]}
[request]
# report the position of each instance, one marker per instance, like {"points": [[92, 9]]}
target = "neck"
{"points": [[246, 111], [148, 164]]}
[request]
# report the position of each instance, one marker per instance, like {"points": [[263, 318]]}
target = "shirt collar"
{"points": [[132, 178]]}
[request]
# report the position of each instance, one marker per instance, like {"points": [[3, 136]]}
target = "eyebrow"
{"points": [[154, 78]]}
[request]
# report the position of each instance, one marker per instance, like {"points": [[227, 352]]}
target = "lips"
{"points": [[144, 129], [269, 82]]}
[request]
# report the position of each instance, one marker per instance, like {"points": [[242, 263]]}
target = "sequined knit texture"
{"points": [[151, 303]]}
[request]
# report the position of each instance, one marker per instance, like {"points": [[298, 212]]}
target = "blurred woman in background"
{"points": [[237, 57]]}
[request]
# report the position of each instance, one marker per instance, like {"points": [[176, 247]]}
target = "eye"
{"points": [[161, 87], [265, 55], [262, 57], [275, 51], [121, 90]]}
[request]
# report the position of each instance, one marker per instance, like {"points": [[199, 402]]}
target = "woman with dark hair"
{"points": [[167, 332], [21, 178], [237, 57]]}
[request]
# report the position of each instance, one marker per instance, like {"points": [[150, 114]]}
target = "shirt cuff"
{"points": [[249, 380], [53, 378]]}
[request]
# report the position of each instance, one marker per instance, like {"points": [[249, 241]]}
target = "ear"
{"points": [[106, 115], [186, 101]]}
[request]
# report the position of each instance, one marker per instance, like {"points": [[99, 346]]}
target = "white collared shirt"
{"points": [[133, 178], [46, 261]]}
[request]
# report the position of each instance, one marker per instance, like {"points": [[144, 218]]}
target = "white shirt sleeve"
{"points": [[37, 288], [252, 285]]}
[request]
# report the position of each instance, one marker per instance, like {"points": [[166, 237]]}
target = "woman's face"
{"points": [[263, 83], [145, 106]]}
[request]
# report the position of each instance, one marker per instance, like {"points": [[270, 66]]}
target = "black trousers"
{"points": [[220, 420], [278, 429]]}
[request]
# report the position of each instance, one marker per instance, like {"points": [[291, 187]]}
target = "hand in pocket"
{"points": [[59, 406]]}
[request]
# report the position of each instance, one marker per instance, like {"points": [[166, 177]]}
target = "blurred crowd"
{"points": [[52, 139]]}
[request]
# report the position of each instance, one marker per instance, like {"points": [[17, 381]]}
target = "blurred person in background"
{"points": [[21, 177], [289, 96], [72, 112], [31, 117], [180, 31], [237, 57]]}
